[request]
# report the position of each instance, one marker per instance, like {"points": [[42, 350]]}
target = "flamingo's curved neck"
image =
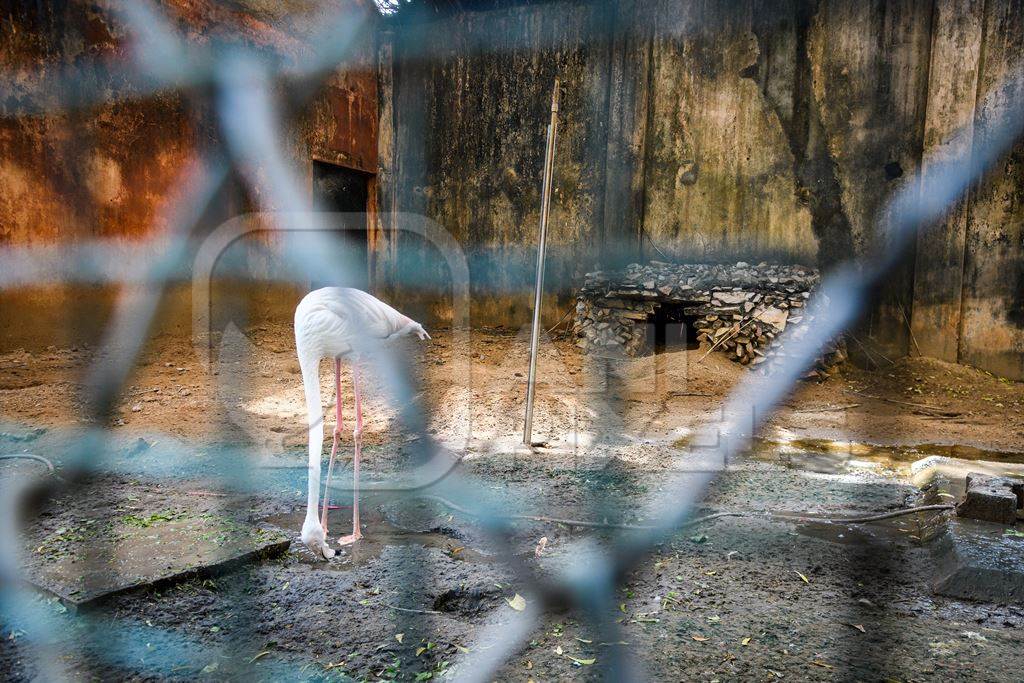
{"points": [[310, 365]]}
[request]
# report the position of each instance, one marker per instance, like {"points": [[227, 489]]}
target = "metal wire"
{"points": [[244, 89]]}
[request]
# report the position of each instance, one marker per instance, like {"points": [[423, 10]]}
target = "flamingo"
{"points": [[343, 324]]}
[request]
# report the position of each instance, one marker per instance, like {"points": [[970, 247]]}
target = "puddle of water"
{"points": [[836, 457], [378, 534], [916, 529]]}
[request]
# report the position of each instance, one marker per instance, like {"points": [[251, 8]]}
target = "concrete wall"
{"points": [[470, 112], [111, 169], [697, 129], [755, 129]]}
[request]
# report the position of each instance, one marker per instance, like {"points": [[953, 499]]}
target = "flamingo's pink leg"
{"points": [[357, 438], [334, 445]]}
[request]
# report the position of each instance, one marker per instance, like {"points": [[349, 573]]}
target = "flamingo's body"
{"points": [[342, 324]]}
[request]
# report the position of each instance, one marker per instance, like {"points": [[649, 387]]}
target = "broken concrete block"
{"points": [[1015, 485], [989, 503], [973, 563]]}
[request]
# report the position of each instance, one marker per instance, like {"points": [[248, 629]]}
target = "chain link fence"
{"points": [[244, 91]]}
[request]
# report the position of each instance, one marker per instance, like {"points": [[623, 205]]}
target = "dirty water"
{"points": [[912, 529], [378, 534], [826, 456]]}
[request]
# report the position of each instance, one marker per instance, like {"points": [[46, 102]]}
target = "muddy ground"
{"points": [[748, 598]]}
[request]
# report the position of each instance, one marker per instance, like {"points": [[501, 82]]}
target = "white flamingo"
{"points": [[339, 323]]}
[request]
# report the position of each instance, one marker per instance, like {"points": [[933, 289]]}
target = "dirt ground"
{"points": [[746, 598]]}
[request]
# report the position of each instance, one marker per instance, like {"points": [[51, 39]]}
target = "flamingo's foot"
{"points": [[350, 539], [315, 538]]}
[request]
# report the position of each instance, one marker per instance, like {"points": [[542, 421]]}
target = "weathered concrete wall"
{"points": [[121, 158], [706, 129], [992, 323], [870, 64], [720, 174], [110, 170], [948, 134], [752, 129], [471, 111], [100, 172]]}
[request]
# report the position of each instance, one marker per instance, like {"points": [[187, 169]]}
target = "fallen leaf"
{"points": [[582, 662], [259, 656], [558, 650], [745, 641], [399, 636], [518, 603], [823, 665], [802, 577], [859, 627], [699, 638]]}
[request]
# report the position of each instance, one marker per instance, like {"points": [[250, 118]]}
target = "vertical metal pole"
{"points": [[549, 159]]}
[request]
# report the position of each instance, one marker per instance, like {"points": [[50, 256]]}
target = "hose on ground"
{"points": [[696, 520]]}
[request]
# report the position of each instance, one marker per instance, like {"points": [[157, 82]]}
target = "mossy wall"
{"points": [[706, 130]]}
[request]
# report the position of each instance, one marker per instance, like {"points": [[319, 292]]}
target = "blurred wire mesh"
{"points": [[252, 98]]}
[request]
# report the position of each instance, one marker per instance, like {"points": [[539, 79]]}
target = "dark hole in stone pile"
{"points": [[738, 309], [671, 328]]}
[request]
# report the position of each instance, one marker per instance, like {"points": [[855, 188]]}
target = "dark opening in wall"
{"points": [[671, 329], [343, 193]]}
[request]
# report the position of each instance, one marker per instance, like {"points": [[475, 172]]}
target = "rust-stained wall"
{"points": [[109, 170], [341, 125], [749, 129], [102, 171], [700, 129], [128, 154]]}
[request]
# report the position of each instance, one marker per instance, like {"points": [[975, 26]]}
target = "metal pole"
{"points": [[549, 158]]}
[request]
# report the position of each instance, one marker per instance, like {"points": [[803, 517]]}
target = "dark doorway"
{"points": [[343, 192], [673, 329]]}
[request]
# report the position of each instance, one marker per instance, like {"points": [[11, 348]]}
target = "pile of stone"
{"points": [[739, 309]]}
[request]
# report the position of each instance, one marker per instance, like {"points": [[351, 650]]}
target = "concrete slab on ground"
{"points": [[153, 557], [979, 561], [111, 536]]}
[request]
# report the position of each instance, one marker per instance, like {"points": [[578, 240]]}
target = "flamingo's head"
{"points": [[412, 327], [315, 538], [418, 330]]}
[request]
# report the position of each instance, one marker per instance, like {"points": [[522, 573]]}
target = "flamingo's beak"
{"points": [[422, 333]]}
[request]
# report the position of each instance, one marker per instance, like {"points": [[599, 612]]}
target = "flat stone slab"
{"points": [[979, 561], [138, 537]]}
